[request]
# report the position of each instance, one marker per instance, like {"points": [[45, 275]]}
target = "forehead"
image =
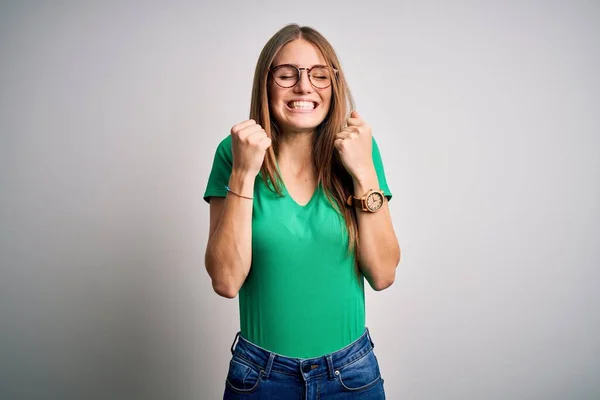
{"points": [[299, 52]]}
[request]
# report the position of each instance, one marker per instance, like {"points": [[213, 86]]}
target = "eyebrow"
{"points": [[296, 65]]}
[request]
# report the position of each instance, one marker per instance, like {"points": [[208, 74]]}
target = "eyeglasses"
{"points": [[287, 75]]}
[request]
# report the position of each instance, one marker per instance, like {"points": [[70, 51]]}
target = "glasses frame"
{"points": [[299, 75]]}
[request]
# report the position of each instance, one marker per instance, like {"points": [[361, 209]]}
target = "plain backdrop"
{"points": [[486, 113]]}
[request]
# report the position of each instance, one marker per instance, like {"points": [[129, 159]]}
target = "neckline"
{"points": [[287, 193], [310, 201]]}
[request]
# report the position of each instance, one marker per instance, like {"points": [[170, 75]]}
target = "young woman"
{"points": [[298, 216]]}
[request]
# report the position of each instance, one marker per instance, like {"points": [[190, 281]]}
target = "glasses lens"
{"points": [[286, 76], [320, 77]]}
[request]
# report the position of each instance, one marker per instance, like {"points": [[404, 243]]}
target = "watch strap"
{"points": [[361, 201]]}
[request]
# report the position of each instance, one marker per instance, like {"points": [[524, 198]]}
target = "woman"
{"points": [[298, 215]]}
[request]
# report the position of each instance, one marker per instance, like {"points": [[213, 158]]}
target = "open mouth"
{"points": [[302, 105]]}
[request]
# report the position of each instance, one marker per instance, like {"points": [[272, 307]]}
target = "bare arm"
{"points": [[379, 253], [379, 248], [229, 249]]}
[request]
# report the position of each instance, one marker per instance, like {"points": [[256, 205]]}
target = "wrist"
{"points": [[242, 183], [364, 182]]}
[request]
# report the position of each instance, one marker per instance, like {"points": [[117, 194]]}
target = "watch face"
{"points": [[374, 201]]}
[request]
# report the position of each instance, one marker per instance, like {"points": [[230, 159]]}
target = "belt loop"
{"points": [[330, 369], [370, 339], [269, 365], [234, 340]]}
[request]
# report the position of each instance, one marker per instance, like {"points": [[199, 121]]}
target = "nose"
{"points": [[303, 85]]}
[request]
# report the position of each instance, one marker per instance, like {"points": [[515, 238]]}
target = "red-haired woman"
{"points": [[298, 216]]}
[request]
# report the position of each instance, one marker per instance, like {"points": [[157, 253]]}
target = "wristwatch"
{"points": [[372, 201]]}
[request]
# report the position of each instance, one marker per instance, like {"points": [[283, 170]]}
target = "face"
{"points": [[301, 108]]}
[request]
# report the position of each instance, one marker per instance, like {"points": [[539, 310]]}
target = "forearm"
{"points": [[379, 253], [229, 250]]}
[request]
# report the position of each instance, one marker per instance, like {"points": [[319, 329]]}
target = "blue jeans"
{"points": [[349, 373]]}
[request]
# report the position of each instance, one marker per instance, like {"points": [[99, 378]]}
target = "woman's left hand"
{"points": [[354, 145]]}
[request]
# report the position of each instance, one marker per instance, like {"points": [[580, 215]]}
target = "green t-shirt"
{"points": [[302, 297]]}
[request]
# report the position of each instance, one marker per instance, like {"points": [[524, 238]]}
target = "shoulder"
{"points": [[224, 149], [225, 144]]}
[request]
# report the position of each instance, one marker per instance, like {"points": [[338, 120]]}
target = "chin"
{"points": [[304, 122], [302, 127]]}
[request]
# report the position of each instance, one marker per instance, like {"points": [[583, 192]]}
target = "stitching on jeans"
{"points": [[361, 388], [361, 356], [243, 365], [356, 356], [273, 369], [318, 394], [238, 390], [258, 367], [279, 371]]}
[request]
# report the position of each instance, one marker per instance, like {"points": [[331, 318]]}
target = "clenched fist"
{"points": [[249, 144], [354, 144]]}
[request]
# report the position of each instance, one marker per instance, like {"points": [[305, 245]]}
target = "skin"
{"points": [[379, 248], [298, 122], [297, 126], [228, 253]]}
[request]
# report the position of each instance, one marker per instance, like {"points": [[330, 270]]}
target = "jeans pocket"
{"points": [[242, 376], [361, 374]]}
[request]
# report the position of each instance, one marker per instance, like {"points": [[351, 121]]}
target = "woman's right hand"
{"points": [[228, 257], [249, 144]]}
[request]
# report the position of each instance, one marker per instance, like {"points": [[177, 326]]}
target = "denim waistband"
{"points": [[267, 361]]}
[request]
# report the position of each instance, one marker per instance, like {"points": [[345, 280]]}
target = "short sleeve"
{"points": [[378, 162], [220, 172]]}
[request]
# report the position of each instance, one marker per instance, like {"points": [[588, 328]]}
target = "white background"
{"points": [[487, 118]]}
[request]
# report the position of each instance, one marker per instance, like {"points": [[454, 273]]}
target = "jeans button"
{"points": [[306, 367]]}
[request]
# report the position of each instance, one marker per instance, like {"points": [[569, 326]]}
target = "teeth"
{"points": [[302, 104]]}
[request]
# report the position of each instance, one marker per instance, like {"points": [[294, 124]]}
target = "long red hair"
{"points": [[331, 174]]}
